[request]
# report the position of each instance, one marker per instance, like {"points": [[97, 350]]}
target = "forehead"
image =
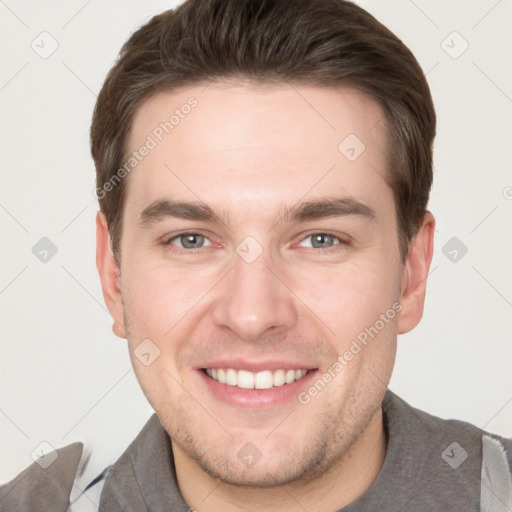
{"points": [[234, 144]]}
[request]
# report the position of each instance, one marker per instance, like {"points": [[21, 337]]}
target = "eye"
{"points": [[321, 241], [189, 241]]}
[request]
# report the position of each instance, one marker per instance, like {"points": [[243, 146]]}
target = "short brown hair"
{"points": [[313, 42]]}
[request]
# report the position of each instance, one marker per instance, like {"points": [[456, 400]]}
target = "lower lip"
{"points": [[257, 398]]}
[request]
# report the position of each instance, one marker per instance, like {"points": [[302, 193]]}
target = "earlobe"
{"points": [[109, 275], [415, 273]]}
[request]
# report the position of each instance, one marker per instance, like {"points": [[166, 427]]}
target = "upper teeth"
{"points": [[249, 380]]}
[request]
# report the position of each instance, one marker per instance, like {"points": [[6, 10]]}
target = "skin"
{"points": [[248, 151]]}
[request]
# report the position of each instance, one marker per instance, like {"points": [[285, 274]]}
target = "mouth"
{"points": [[265, 379], [261, 389]]}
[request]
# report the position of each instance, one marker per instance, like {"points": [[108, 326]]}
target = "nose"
{"points": [[254, 300]]}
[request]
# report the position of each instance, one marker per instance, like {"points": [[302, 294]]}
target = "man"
{"points": [[263, 172]]}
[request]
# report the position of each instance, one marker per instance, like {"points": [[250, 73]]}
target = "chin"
{"points": [[265, 473]]}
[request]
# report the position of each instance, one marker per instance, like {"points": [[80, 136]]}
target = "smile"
{"points": [[265, 379]]}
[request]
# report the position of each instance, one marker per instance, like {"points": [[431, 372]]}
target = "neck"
{"points": [[341, 484]]}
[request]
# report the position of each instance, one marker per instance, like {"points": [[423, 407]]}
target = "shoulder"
{"points": [[50, 481], [46, 484], [452, 454], [419, 424]]}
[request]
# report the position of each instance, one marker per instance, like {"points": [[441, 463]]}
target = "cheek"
{"points": [[359, 304], [160, 297], [351, 297], [163, 305]]}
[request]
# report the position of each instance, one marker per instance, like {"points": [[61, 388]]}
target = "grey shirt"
{"points": [[430, 465]]}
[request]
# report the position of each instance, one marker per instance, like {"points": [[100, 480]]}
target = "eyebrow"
{"points": [[311, 210]]}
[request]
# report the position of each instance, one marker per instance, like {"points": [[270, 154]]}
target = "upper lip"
{"points": [[257, 366]]}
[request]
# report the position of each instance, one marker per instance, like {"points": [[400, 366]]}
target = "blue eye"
{"points": [[322, 241], [189, 241]]}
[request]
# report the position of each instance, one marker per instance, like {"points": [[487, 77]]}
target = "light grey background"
{"points": [[65, 377]]}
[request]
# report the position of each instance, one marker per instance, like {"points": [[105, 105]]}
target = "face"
{"points": [[260, 270]]}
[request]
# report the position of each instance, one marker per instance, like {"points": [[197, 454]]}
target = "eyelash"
{"points": [[341, 241]]}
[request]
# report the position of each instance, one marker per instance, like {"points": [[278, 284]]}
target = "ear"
{"points": [[109, 275], [415, 273]]}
